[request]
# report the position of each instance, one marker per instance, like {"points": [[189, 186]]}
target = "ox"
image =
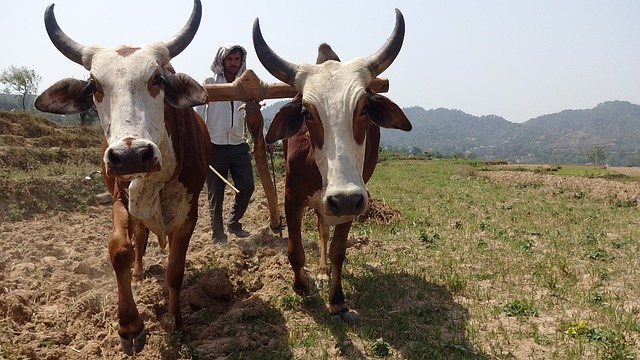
{"points": [[331, 136], [155, 153]]}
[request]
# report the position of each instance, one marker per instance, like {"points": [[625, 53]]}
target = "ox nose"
{"points": [[346, 204], [132, 157]]}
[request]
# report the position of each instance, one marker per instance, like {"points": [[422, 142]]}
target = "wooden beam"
{"points": [[248, 85]]}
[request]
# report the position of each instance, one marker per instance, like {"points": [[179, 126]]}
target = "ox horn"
{"points": [[182, 39], [277, 66], [62, 42], [383, 58]]}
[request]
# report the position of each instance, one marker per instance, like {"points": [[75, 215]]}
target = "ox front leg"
{"points": [[337, 306], [325, 233], [121, 253], [140, 238], [295, 250], [178, 244]]}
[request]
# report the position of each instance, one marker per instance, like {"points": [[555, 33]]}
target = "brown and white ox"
{"points": [[155, 158], [331, 133]]}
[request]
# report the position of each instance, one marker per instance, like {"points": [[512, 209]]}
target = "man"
{"points": [[229, 150]]}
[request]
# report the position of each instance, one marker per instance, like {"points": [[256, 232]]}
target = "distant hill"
{"points": [[613, 125], [447, 131], [561, 137]]}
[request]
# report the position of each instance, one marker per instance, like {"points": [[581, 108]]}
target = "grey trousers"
{"points": [[225, 159]]}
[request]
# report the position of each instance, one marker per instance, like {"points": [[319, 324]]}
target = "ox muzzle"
{"points": [[351, 202], [132, 157]]}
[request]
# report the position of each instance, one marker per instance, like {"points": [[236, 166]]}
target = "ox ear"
{"points": [[287, 121], [385, 113], [68, 96], [182, 91]]}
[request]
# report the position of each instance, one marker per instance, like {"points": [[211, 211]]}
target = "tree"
{"points": [[596, 154], [21, 81]]}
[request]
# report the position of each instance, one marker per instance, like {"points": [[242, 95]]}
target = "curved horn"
{"points": [[381, 60], [182, 39], [277, 66], [62, 42]]}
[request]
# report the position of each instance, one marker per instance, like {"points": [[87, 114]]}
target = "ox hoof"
{"points": [[348, 317], [136, 344], [277, 229], [303, 292], [301, 288]]}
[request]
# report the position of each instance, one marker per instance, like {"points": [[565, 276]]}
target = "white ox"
{"points": [[331, 138], [155, 155]]}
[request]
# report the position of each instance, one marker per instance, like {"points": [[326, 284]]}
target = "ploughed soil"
{"points": [[58, 290], [616, 193]]}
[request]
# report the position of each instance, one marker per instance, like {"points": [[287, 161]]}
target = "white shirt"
{"points": [[224, 122]]}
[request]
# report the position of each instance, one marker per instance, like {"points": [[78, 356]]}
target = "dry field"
{"points": [[451, 263], [57, 292], [633, 171]]}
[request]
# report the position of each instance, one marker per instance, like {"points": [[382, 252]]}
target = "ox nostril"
{"points": [[359, 203], [114, 159], [333, 205], [147, 154]]}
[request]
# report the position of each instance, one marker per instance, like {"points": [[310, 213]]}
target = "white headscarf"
{"points": [[217, 65]]}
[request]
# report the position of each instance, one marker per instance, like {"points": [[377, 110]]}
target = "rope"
{"points": [[237, 85], [262, 92], [242, 94]]}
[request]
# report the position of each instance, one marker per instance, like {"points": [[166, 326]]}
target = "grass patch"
{"points": [[482, 243]]}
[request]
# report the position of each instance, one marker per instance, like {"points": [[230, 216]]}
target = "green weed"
{"points": [[520, 308]]}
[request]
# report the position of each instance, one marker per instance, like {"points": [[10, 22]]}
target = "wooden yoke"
{"points": [[250, 84], [251, 90]]}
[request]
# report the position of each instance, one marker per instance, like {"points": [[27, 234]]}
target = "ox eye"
{"points": [[158, 80], [306, 114], [91, 87]]}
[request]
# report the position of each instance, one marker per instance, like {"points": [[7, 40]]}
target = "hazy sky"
{"points": [[515, 59]]}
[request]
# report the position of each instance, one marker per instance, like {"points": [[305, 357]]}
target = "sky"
{"points": [[512, 58]]}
